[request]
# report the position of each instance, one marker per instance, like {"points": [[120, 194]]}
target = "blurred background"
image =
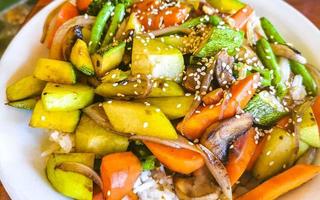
{"points": [[14, 13]]}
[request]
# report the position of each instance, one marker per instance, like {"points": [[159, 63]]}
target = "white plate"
{"points": [[22, 168]]}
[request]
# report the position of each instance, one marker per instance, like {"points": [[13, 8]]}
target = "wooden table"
{"points": [[309, 8]]}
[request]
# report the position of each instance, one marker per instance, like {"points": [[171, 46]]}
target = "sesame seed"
{"points": [[145, 125], [179, 105], [43, 118], [271, 163], [268, 153]]}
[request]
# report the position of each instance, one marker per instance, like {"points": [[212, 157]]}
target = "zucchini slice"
{"points": [[92, 138], [106, 60], [27, 104], [55, 71], [140, 119], [25, 88], [81, 59], [60, 121], [58, 97], [266, 109], [71, 184]]}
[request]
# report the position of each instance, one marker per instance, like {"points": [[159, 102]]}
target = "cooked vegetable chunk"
{"points": [[227, 6], [55, 71], [166, 88], [71, 184], [92, 138], [24, 88], [60, 121], [276, 155], [124, 89], [150, 56], [81, 59], [58, 97], [115, 75], [172, 107], [27, 104], [217, 39], [107, 59], [266, 109], [308, 128], [119, 172], [160, 88], [136, 118]]}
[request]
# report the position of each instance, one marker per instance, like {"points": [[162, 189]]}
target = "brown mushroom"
{"points": [[219, 137], [201, 185], [223, 69]]}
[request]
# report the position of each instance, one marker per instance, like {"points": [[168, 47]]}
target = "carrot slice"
{"points": [[282, 183], [213, 97], [256, 153], [66, 12], [119, 171], [240, 155], [179, 160], [241, 93], [242, 17], [283, 122], [83, 4]]}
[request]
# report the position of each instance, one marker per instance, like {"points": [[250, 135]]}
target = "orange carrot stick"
{"points": [[282, 183], [179, 160], [256, 153], [66, 12], [241, 93], [242, 17], [283, 122], [213, 97], [240, 155], [119, 171], [83, 4]]}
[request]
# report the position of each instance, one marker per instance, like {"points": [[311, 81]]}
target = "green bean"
{"points": [[99, 26], [308, 81], [213, 20], [271, 32], [269, 60], [119, 13], [297, 68]]}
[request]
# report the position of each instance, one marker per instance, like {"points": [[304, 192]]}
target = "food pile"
{"points": [[171, 99]]}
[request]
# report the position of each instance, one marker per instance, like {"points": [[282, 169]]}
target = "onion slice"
{"points": [[309, 157], [97, 114], [83, 170], [56, 48], [180, 143], [288, 52], [218, 171]]}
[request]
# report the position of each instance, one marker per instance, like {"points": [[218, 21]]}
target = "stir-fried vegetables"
{"points": [[115, 86]]}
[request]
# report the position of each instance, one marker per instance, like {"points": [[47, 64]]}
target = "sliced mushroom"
{"points": [[201, 185], [219, 137], [223, 69]]}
